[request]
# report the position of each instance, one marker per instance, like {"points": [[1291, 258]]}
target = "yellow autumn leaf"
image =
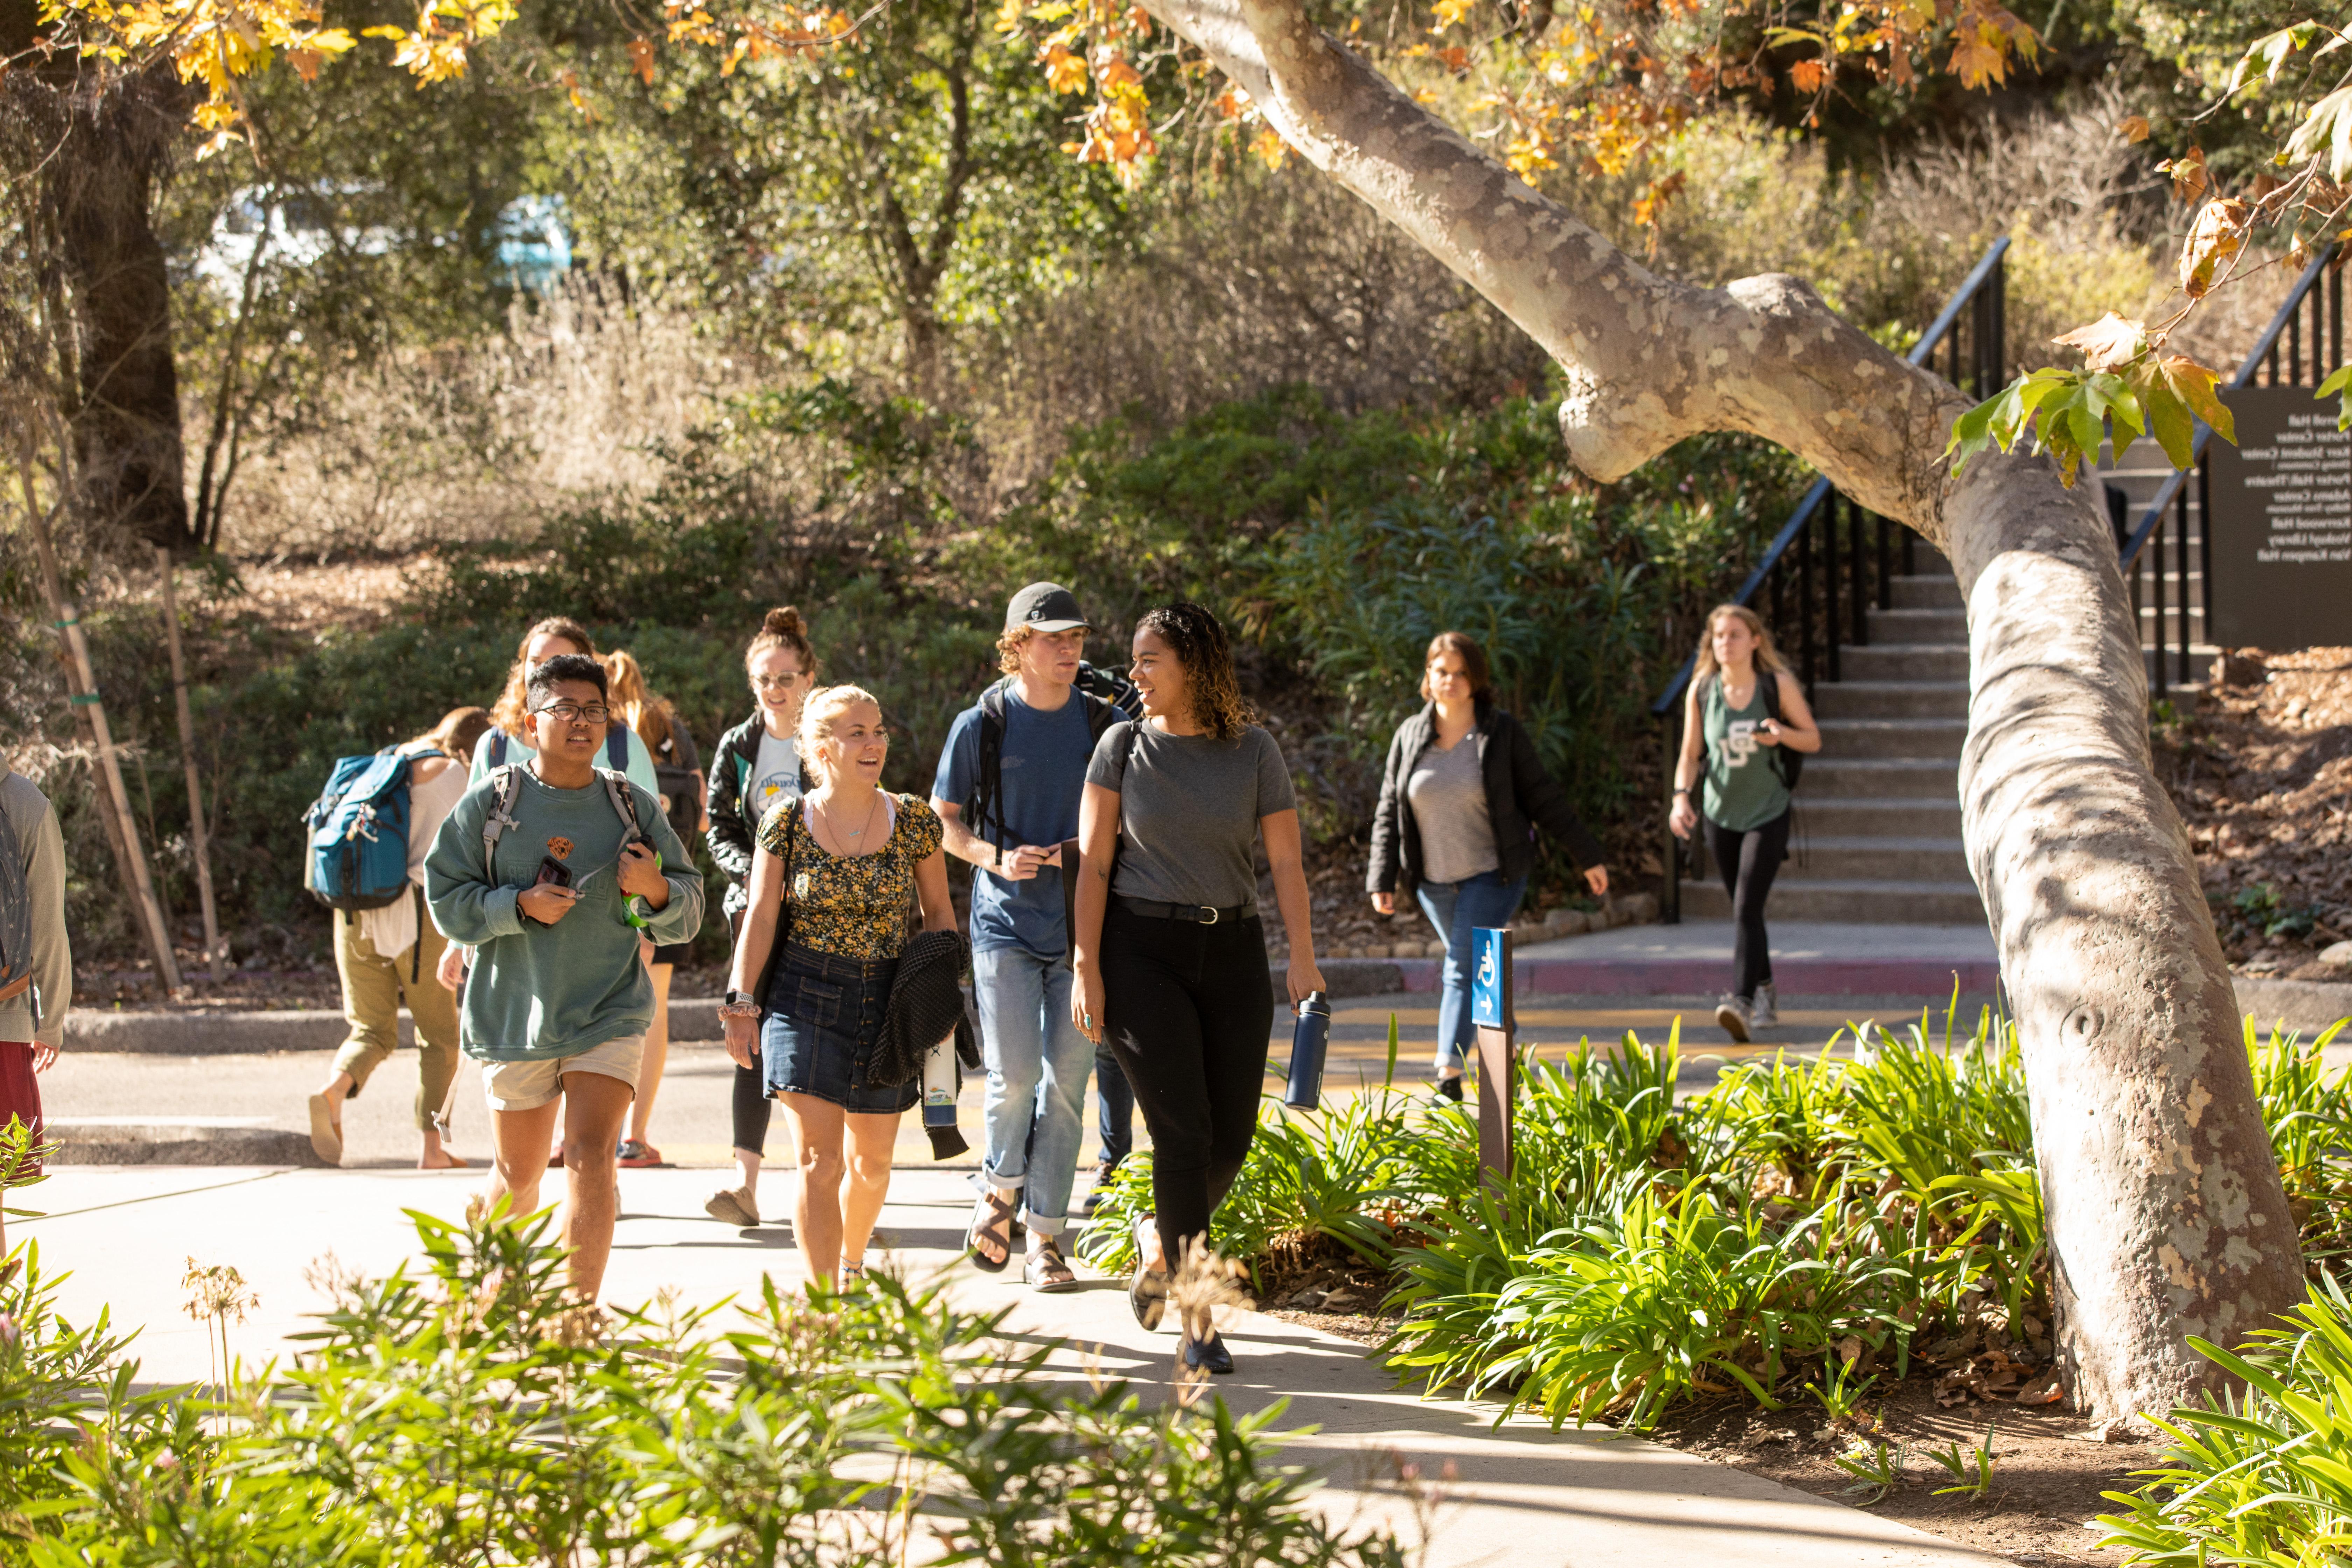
{"points": [[1271, 148], [2110, 341], [1449, 12], [1065, 72]]}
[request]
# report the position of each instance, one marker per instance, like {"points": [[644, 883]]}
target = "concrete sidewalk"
{"points": [[1522, 1495]]}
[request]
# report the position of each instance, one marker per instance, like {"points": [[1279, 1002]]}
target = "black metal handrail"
{"points": [[1831, 601], [2327, 351]]}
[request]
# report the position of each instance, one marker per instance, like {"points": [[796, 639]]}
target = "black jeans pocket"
{"points": [[816, 1002]]}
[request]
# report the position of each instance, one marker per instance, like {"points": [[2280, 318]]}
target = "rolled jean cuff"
{"points": [[1049, 1227]]}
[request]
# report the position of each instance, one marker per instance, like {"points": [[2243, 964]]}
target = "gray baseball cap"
{"points": [[1044, 607]]}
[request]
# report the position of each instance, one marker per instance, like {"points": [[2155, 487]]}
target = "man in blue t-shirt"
{"points": [[1007, 792]]}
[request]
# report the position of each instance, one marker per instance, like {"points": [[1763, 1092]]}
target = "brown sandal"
{"points": [[985, 1216], [1047, 1270]]}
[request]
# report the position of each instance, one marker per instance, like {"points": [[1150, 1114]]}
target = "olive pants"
{"points": [[373, 988]]}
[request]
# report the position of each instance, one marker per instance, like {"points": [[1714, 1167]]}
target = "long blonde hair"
{"points": [[1767, 656], [819, 713], [508, 715], [634, 702]]}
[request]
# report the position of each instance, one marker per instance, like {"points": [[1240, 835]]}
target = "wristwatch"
{"points": [[739, 1005]]}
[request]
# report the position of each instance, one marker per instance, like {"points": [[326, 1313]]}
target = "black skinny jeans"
{"points": [[1748, 863], [750, 1105], [1187, 1008]]}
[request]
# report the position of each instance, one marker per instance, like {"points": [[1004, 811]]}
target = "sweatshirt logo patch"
{"points": [[560, 847]]}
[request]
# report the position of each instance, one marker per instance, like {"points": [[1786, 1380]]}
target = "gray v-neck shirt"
{"points": [[1447, 792], [1188, 812]]}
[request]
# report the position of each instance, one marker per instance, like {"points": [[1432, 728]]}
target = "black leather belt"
{"points": [[1198, 914]]}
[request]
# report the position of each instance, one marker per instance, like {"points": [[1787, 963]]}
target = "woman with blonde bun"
{"points": [[757, 765]]}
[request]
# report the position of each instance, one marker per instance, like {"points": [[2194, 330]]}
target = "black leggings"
{"points": [[1748, 862], [750, 1105], [1187, 1009]]}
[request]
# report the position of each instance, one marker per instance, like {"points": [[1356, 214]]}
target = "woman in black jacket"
{"points": [[757, 766], [1456, 825]]}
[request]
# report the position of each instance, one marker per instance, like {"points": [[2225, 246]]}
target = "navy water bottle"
{"points": [[1307, 1043]]}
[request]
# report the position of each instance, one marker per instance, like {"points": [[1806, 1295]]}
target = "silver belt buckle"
{"points": [[1211, 914]]}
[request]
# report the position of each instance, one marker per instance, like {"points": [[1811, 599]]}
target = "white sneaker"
{"points": [[1764, 1013], [1734, 1016]]}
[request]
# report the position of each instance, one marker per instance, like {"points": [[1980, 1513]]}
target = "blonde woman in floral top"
{"points": [[832, 876]]}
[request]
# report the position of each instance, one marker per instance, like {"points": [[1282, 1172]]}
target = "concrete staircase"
{"points": [[1878, 811]]}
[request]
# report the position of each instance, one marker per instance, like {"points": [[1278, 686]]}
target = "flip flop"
{"points": [[997, 1209], [326, 1135]]}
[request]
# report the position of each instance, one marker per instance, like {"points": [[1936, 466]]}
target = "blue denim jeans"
{"points": [[1456, 909], [1034, 1103]]}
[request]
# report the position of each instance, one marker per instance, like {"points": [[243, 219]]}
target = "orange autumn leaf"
{"points": [[1975, 61], [1456, 59], [2219, 234], [1065, 72], [2188, 172], [1808, 76], [2133, 128]]}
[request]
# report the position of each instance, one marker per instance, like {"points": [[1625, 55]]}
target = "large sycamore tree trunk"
{"points": [[2164, 1210]]}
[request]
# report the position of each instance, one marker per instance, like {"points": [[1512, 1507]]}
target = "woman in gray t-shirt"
{"points": [[1169, 953]]}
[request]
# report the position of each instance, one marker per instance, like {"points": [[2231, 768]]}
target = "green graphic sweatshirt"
{"points": [[538, 992]]}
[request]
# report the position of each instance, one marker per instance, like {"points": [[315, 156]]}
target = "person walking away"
{"points": [[832, 878], [1007, 792], [35, 957], [1744, 712], [508, 740], [1460, 800], [549, 869], [391, 956], [756, 768], [679, 768], [1169, 961]]}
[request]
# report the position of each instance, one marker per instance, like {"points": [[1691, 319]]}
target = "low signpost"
{"points": [[2279, 523], [1490, 1013]]}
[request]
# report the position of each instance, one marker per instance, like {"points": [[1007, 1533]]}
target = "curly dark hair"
{"points": [[1199, 642]]}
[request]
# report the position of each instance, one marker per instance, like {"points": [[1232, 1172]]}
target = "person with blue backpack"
{"points": [[553, 870], [370, 832]]}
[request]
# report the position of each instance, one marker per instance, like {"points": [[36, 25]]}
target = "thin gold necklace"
{"points": [[835, 828]]}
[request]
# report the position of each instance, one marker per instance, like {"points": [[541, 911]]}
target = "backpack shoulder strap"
{"points": [[624, 805], [1100, 715], [987, 779], [616, 748], [498, 748], [505, 783]]}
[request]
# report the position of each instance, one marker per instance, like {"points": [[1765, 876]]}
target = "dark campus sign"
{"points": [[2281, 523]]}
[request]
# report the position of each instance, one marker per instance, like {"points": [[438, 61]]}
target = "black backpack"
{"points": [[1787, 762], [1108, 696]]}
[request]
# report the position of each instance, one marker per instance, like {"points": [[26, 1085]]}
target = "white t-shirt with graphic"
{"points": [[775, 776]]}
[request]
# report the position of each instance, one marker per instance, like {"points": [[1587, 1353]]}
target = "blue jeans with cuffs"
{"points": [[1456, 909], [1033, 1104]]}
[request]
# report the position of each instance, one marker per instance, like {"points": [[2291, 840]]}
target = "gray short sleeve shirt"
{"points": [[1188, 811]]}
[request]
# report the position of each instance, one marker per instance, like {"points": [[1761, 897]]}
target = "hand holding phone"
{"points": [[550, 897]]}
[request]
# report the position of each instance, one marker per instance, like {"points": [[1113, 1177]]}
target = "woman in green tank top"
{"points": [[1735, 734]]}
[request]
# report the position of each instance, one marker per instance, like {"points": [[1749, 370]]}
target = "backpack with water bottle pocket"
{"points": [[357, 856]]}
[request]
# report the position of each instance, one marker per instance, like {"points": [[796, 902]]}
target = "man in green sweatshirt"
{"points": [[549, 869]]}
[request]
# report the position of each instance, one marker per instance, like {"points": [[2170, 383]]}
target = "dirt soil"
{"points": [[2049, 1468], [2260, 763]]}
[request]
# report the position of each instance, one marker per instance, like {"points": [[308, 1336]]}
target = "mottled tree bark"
{"points": [[2167, 1218]]}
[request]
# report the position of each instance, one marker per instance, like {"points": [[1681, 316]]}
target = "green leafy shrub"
{"points": [[471, 1413], [2264, 1477]]}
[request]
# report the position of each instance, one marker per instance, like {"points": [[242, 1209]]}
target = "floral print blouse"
{"points": [[854, 907]]}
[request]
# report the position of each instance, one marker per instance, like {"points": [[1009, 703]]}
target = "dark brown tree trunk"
{"points": [[126, 421]]}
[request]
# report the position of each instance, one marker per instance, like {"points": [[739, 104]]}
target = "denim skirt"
{"points": [[823, 1026]]}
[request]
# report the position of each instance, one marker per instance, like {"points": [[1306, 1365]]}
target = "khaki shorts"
{"points": [[528, 1085]]}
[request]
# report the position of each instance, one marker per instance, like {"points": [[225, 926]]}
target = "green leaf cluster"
{"points": [[469, 1412], [2069, 413]]}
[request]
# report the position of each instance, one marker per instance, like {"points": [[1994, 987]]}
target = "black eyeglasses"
{"points": [[577, 713]]}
